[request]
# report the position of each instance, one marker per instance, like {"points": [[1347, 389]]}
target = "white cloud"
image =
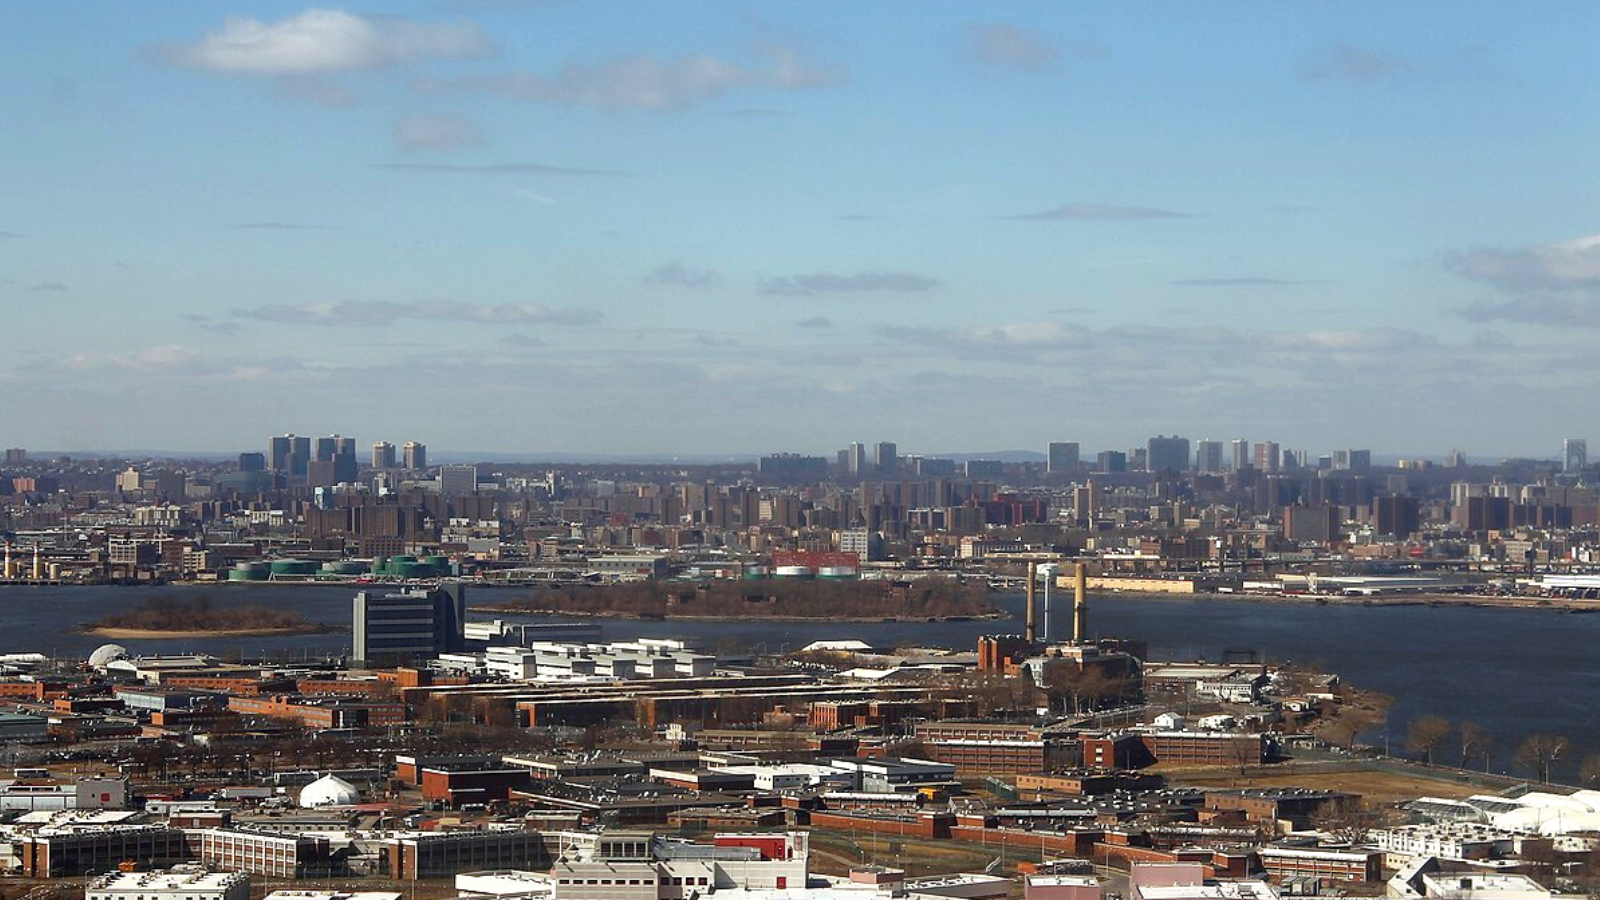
{"points": [[831, 283], [366, 313], [1342, 61], [1010, 46], [165, 356], [320, 41], [1567, 265], [645, 82], [676, 274], [436, 133], [1092, 211]]}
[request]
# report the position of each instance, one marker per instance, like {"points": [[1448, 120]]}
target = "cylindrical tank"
{"points": [[293, 567], [412, 568], [755, 572], [55, 571], [837, 573], [249, 571], [792, 572]]}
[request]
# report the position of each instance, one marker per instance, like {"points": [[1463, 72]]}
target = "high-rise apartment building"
{"points": [[455, 481], [1396, 515], [856, 458], [1208, 456], [416, 455], [1111, 461], [1574, 455], [16, 456], [289, 454], [1063, 457], [1352, 460], [1269, 457], [252, 462], [1241, 454], [383, 455], [886, 457], [1167, 455]]}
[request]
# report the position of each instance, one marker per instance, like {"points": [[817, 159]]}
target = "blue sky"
{"points": [[576, 225]]}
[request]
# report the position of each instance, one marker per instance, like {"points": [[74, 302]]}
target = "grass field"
{"points": [[1375, 786]]}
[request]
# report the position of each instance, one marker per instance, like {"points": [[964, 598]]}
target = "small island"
{"points": [[172, 617], [921, 600]]}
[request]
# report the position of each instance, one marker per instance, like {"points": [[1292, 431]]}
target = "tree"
{"points": [[1425, 734], [1475, 741], [1539, 751], [1347, 819], [1589, 771], [1351, 721]]}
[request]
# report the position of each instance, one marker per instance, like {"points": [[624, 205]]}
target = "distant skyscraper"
{"points": [[1574, 455], [416, 455], [856, 457], [886, 456], [383, 455], [16, 456], [252, 462], [1111, 461], [1063, 457], [1208, 456], [1167, 454], [289, 454], [278, 449], [327, 448], [1241, 454], [1269, 458], [1353, 460]]}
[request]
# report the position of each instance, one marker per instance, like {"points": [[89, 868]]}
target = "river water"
{"points": [[1516, 671]]}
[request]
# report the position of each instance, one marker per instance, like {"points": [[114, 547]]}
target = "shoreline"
{"points": [[670, 617], [1459, 601], [144, 634]]}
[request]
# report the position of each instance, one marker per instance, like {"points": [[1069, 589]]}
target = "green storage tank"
{"points": [[249, 571], [294, 567]]}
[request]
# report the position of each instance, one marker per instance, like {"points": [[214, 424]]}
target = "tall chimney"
{"points": [[1080, 603], [38, 573], [1033, 587]]}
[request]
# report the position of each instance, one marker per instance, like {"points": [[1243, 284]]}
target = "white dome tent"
{"points": [[106, 654], [329, 790]]}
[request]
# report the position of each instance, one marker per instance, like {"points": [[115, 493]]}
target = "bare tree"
{"points": [[1426, 734], [1347, 820], [1351, 721], [1475, 741], [1589, 771], [1539, 751]]}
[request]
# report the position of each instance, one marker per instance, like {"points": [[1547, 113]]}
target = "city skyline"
{"points": [[592, 227]]}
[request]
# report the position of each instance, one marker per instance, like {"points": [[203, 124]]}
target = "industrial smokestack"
{"points": [[1080, 603], [8, 560], [1033, 589], [1048, 572], [38, 573]]}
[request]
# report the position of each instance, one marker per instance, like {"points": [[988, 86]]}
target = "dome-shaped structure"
{"points": [[107, 654], [329, 790]]}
